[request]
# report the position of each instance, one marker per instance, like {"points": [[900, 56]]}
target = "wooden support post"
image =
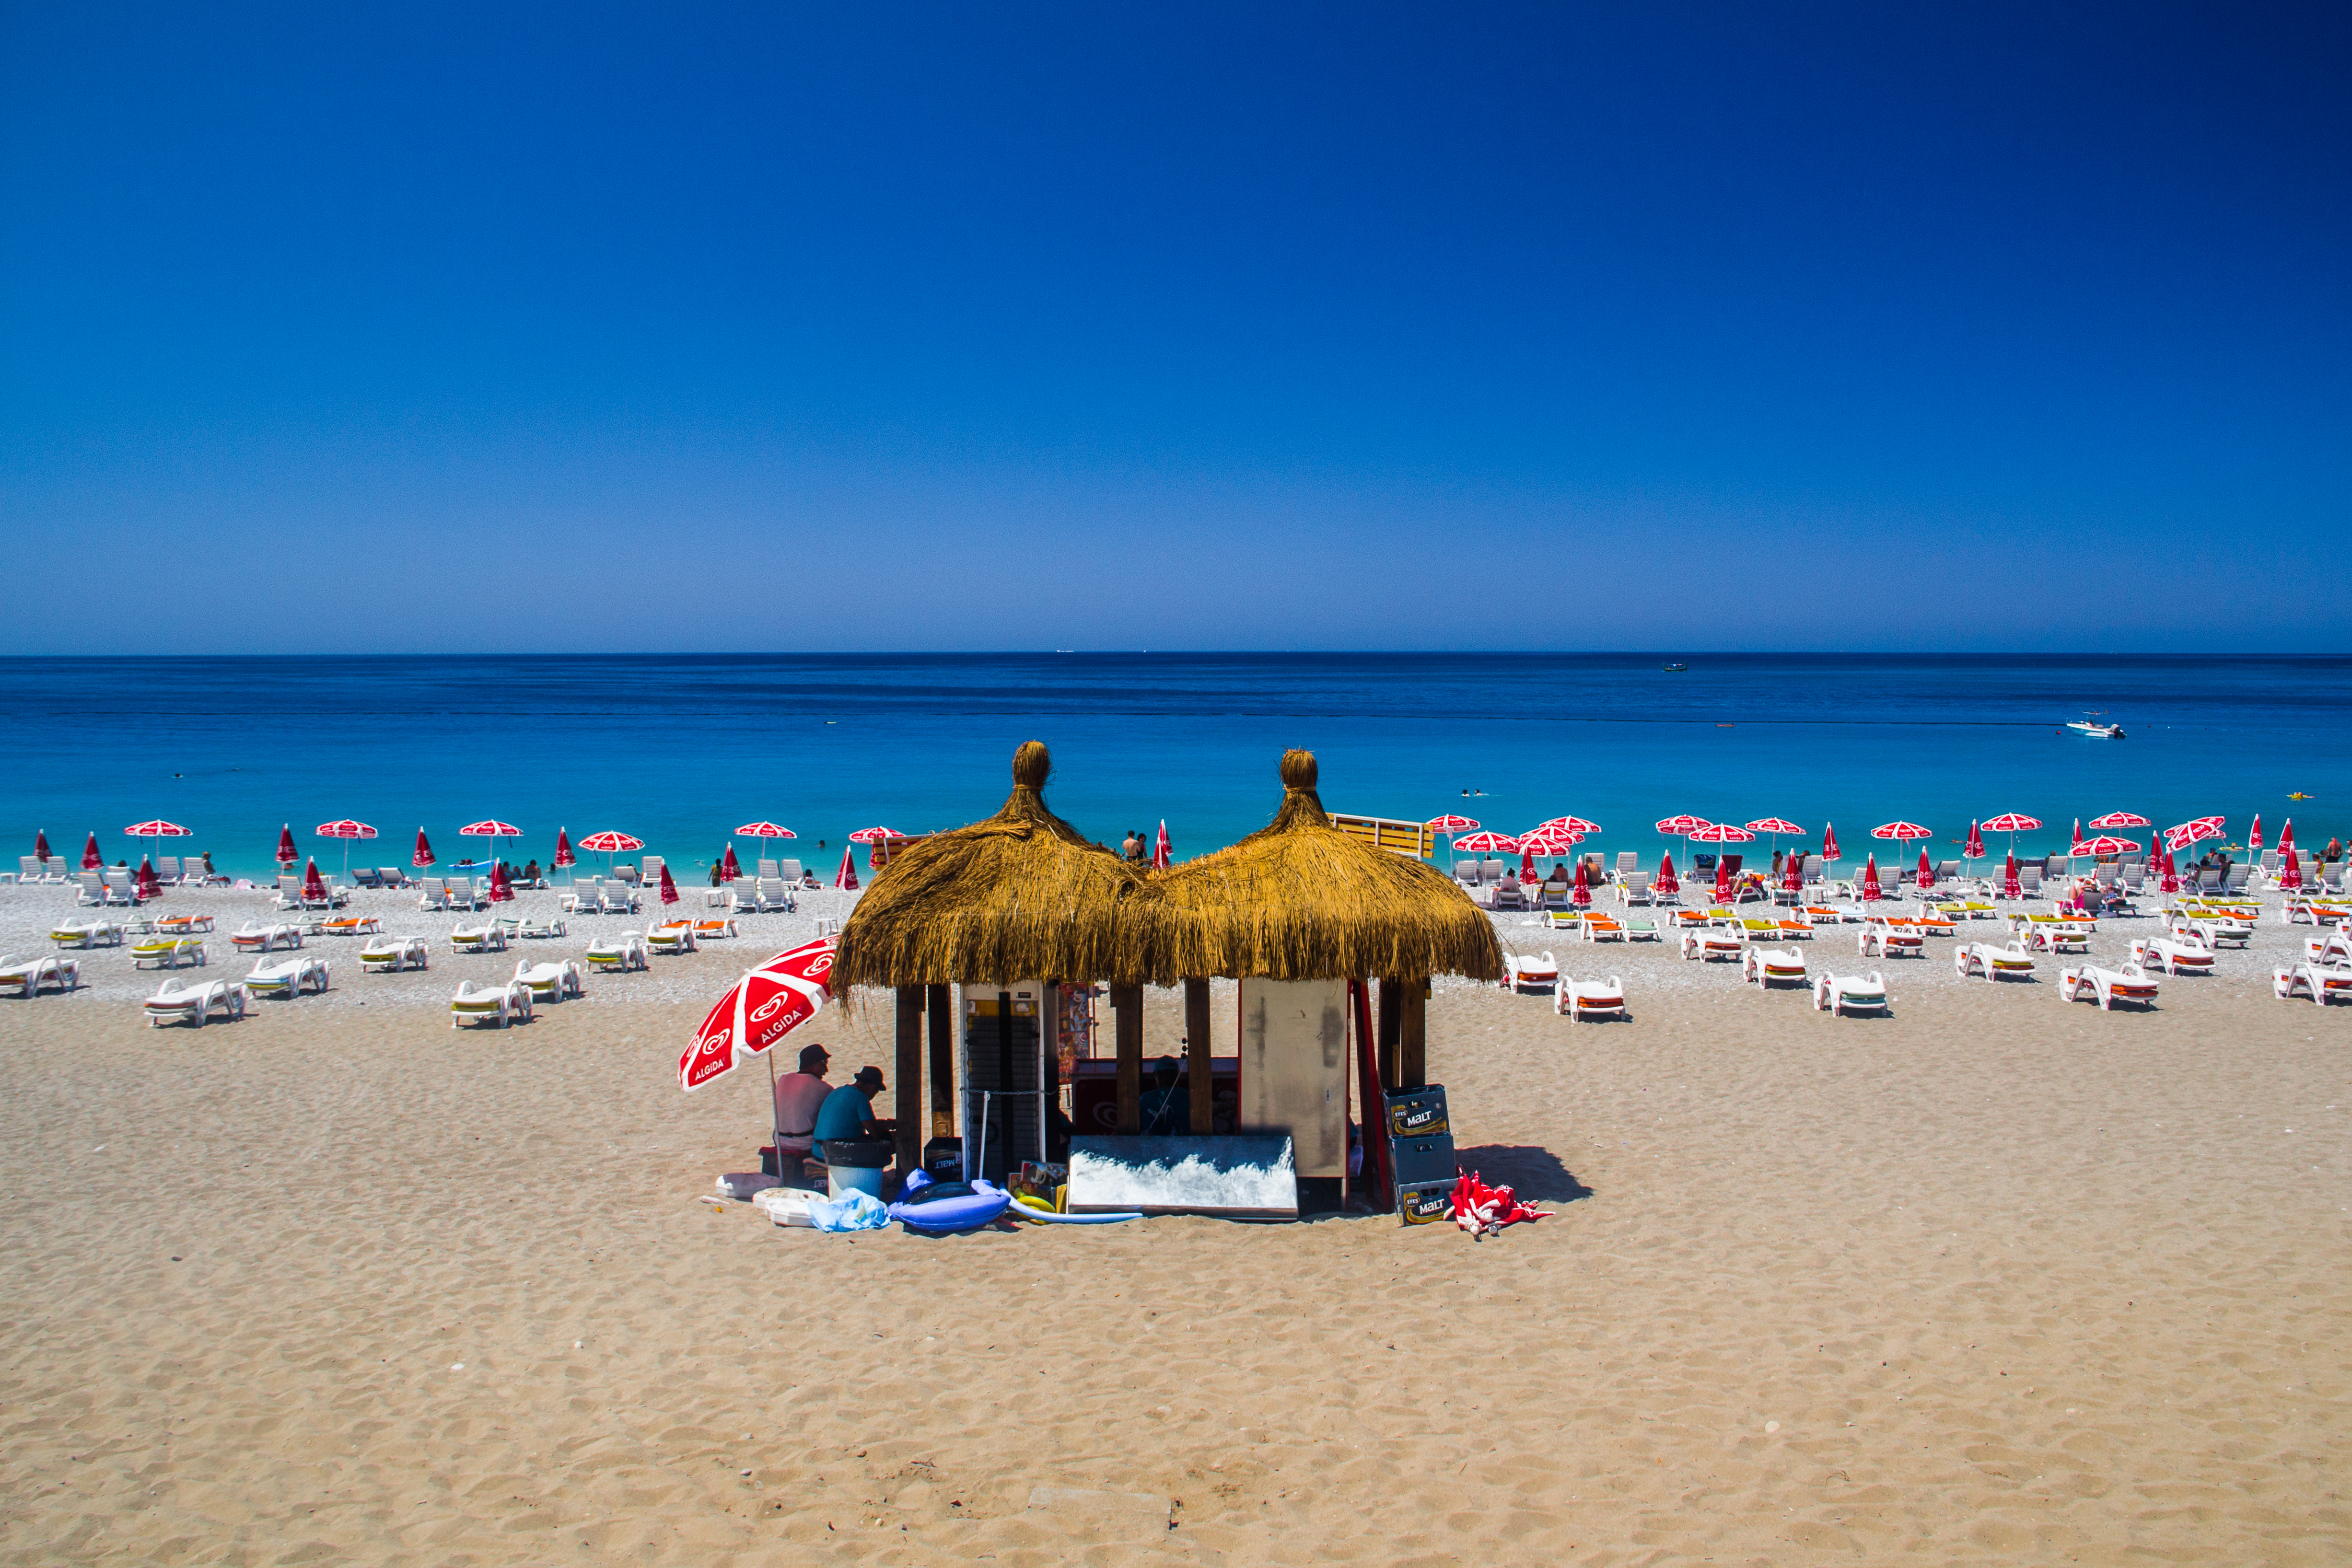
{"points": [[1196, 1058], [1392, 1027], [909, 1136], [1127, 1010], [1412, 1039], [943, 1083]]}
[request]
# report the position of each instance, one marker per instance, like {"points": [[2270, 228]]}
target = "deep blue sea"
{"points": [[678, 749]]}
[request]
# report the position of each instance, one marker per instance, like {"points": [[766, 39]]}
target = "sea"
{"points": [[678, 749]]}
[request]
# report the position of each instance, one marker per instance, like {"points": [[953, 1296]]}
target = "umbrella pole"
{"points": [[775, 1122]]}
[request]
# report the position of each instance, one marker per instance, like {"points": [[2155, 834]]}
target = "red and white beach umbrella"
{"points": [[2254, 836], [1164, 853], [669, 886], [1926, 874], [346, 830], [609, 842], [1792, 874], [1682, 826], [2012, 822], [760, 1009], [1870, 890], [1487, 844], [1450, 825], [2183, 834], [150, 886], [1829, 842], [1723, 880], [1774, 825], [287, 853], [2171, 881], [1905, 832], [1576, 825], [1527, 861], [158, 829], [501, 890], [1549, 840], [2290, 875], [2075, 842], [90, 859], [492, 829], [2011, 887], [1721, 833], [41, 845], [314, 886], [1665, 881], [2115, 819], [867, 835], [424, 855], [2286, 836], [727, 869], [2106, 844], [1580, 895], [1974, 849], [846, 878], [564, 855], [765, 830]]}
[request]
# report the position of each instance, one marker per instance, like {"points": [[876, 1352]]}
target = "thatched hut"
{"points": [[1021, 897], [1299, 912]]}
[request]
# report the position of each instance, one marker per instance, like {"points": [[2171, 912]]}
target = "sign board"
{"points": [[1388, 833]]}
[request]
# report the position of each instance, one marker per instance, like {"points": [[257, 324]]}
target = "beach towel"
{"points": [[1484, 1210], [858, 1211]]}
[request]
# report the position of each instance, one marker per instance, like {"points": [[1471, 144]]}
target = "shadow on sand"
{"points": [[1535, 1175]]}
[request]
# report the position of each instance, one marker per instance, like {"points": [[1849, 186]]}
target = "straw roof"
{"points": [[1300, 900], [1021, 897]]}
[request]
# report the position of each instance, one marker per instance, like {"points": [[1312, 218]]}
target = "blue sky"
{"points": [[939, 327]]}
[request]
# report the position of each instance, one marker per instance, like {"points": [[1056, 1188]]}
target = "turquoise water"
{"points": [[677, 749]]}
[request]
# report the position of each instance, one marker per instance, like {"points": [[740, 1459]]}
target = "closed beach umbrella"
{"points": [[564, 855], [424, 855], [2011, 887], [846, 878], [669, 887], [728, 868], [1665, 882], [2075, 843], [1974, 849], [1580, 895], [313, 885], [1829, 842], [1163, 854], [501, 890], [1722, 880], [2171, 881], [2290, 877], [2286, 836], [1927, 872], [1792, 874], [2254, 836], [41, 845], [90, 859], [1527, 862], [287, 853], [149, 887], [1870, 889]]}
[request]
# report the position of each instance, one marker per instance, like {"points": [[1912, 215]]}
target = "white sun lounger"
{"points": [[1713, 947], [1839, 994], [87, 934], [706, 930], [550, 982], [490, 939], [2050, 938], [625, 951], [2089, 983], [539, 930], [2174, 958], [168, 952], [351, 926], [252, 938], [28, 977], [1768, 967], [2321, 984], [1882, 939], [391, 955], [2009, 963], [508, 1003], [195, 1001], [1523, 971], [287, 976], [1575, 1000], [677, 936]]}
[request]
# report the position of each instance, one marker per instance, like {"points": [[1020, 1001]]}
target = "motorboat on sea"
{"points": [[2089, 725], [1676, 669]]}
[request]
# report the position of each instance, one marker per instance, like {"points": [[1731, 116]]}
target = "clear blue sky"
{"points": [[950, 325]]}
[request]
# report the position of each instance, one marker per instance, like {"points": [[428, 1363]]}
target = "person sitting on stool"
{"points": [[799, 1096], [848, 1111]]}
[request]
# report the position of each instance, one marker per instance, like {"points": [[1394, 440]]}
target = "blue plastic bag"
{"points": [[858, 1211]]}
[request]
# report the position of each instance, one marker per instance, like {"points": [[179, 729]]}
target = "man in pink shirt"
{"points": [[798, 1096]]}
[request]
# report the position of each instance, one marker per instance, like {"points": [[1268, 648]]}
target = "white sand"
{"points": [[2000, 1281]]}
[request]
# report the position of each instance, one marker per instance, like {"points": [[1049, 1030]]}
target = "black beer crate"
{"points": [[1426, 1202], [1424, 1159], [1418, 1113]]}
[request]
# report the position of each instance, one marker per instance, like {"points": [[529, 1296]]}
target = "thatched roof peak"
{"points": [[1300, 900]]}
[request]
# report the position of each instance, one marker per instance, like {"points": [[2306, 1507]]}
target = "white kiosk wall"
{"points": [[1294, 1069]]}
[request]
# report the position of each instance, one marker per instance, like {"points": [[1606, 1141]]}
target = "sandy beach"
{"points": [[2000, 1280]]}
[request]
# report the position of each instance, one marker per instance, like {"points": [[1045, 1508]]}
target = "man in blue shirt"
{"points": [[848, 1111]]}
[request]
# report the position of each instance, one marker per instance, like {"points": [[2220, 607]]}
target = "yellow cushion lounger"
{"points": [[287, 976], [550, 982], [390, 954], [167, 952], [2008, 963], [503, 1005], [478, 940], [677, 936], [625, 951], [87, 934]]}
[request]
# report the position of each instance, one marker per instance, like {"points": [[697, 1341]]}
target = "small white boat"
{"points": [[2089, 725]]}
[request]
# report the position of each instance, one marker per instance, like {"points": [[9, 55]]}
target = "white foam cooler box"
{"points": [[787, 1204]]}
